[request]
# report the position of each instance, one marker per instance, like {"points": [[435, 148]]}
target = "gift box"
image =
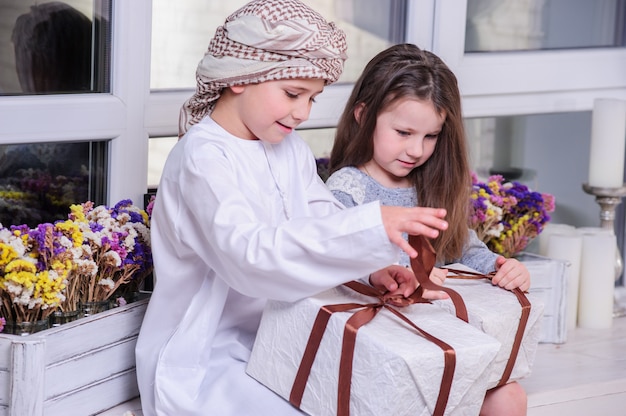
{"points": [[395, 369], [79, 368], [548, 281], [497, 312]]}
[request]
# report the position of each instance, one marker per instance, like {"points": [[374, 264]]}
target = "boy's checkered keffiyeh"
{"points": [[265, 40]]}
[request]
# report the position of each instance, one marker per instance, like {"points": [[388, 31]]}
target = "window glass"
{"points": [[181, 31], [39, 182], [158, 149], [496, 25], [54, 47], [320, 141]]}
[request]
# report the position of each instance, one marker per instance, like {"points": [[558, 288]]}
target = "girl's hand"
{"points": [[511, 274], [414, 221], [395, 279], [437, 276]]}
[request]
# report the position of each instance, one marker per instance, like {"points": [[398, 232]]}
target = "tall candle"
{"points": [[568, 247], [608, 140], [597, 280], [549, 229]]}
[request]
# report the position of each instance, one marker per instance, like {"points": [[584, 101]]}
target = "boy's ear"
{"points": [[357, 112], [237, 89]]}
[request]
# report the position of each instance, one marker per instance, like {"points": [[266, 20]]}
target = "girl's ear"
{"points": [[357, 112]]}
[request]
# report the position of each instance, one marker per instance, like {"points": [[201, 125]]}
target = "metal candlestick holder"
{"points": [[609, 199]]}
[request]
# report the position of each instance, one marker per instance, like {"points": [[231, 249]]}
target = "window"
{"points": [[543, 24], [539, 150], [54, 47], [532, 81], [105, 122], [554, 81], [47, 49], [370, 26], [39, 181]]}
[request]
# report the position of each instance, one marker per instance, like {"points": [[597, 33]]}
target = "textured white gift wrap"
{"points": [[497, 312], [395, 370]]}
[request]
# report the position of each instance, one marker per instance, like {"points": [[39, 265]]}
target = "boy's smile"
{"points": [[267, 111]]}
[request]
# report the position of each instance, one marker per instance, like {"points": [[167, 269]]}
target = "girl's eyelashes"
{"points": [[405, 133]]}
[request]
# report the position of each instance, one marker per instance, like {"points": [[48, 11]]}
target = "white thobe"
{"points": [[237, 222]]}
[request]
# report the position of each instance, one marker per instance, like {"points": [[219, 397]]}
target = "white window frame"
{"points": [[517, 83], [117, 117], [492, 84], [164, 106]]}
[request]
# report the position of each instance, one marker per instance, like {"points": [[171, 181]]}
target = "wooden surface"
{"points": [[585, 376], [80, 368]]}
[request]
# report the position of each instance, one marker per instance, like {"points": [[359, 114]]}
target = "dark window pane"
{"points": [[38, 182], [54, 47]]}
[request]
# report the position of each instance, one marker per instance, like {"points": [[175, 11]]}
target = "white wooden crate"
{"points": [[80, 368], [549, 280]]}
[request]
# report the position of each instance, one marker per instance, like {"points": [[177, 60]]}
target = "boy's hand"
{"points": [[415, 221], [395, 279]]}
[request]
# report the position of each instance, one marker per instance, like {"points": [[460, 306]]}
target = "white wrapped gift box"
{"points": [[395, 370], [497, 312]]}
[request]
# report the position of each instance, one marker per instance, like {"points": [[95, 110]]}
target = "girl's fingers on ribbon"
{"points": [[435, 294], [438, 275], [511, 274]]}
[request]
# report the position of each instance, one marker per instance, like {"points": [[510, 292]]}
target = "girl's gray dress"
{"points": [[353, 187]]}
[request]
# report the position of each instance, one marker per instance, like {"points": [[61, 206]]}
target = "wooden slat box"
{"points": [[549, 281], [80, 368]]}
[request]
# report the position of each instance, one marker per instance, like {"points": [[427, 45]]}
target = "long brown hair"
{"points": [[444, 181]]}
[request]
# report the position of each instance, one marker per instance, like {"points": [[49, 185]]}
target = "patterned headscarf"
{"points": [[265, 40]]}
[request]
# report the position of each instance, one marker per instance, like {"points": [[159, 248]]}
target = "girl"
{"points": [[400, 140], [242, 216]]}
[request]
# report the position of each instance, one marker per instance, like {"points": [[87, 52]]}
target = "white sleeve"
{"points": [[293, 259]]}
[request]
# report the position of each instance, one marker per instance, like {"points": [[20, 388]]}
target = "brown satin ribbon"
{"points": [[521, 326], [357, 320], [423, 264]]}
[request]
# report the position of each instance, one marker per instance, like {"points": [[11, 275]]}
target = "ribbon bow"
{"points": [[366, 313]]}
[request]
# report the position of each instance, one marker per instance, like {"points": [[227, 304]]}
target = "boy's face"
{"points": [[270, 110]]}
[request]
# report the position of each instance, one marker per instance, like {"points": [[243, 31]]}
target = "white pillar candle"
{"points": [[608, 140], [568, 247], [549, 229], [597, 280]]}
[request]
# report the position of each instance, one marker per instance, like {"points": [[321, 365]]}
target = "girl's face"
{"points": [[404, 138], [270, 110]]}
